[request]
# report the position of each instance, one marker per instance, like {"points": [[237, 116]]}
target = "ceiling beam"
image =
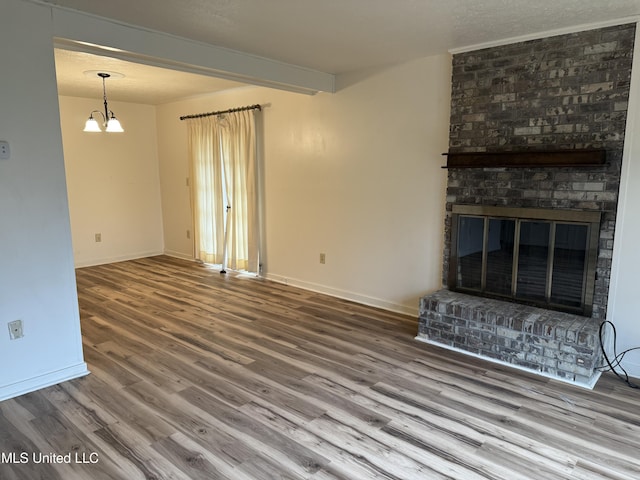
{"points": [[80, 31]]}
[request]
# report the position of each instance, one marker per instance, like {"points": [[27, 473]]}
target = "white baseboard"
{"points": [[116, 258], [180, 255], [43, 381], [345, 294], [588, 385]]}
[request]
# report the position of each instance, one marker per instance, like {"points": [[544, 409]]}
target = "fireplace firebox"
{"points": [[540, 257]]}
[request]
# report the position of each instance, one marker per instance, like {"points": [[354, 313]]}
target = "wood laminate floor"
{"points": [[196, 375]]}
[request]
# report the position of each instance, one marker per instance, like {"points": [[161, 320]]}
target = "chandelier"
{"points": [[109, 121]]}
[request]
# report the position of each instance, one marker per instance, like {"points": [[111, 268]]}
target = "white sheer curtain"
{"points": [[207, 199], [239, 160], [224, 174]]}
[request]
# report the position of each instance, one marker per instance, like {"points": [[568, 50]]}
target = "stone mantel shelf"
{"points": [[527, 159]]}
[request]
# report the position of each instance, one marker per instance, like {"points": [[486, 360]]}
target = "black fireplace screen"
{"points": [[533, 256]]}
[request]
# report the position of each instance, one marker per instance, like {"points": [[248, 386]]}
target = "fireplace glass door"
{"points": [[543, 261], [533, 260]]}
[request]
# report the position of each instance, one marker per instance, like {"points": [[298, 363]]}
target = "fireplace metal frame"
{"points": [[589, 218]]}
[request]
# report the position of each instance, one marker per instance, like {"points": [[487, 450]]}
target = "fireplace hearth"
{"points": [[554, 344]]}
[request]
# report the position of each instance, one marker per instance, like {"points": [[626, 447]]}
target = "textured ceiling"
{"points": [[337, 36], [140, 84]]}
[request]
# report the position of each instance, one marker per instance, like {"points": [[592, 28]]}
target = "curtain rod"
{"points": [[221, 112]]}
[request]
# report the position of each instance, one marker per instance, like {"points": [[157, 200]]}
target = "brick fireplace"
{"points": [[562, 93]]}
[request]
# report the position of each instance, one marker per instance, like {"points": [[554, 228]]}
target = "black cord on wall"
{"points": [[617, 358]]}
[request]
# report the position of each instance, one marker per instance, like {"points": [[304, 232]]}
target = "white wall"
{"points": [[113, 183], [355, 175], [174, 173], [37, 280], [623, 309]]}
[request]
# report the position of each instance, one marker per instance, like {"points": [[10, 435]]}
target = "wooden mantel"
{"points": [[528, 159]]}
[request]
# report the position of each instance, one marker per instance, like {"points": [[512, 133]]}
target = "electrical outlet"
{"points": [[188, 233], [5, 153], [323, 258], [15, 329], [98, 237]]}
